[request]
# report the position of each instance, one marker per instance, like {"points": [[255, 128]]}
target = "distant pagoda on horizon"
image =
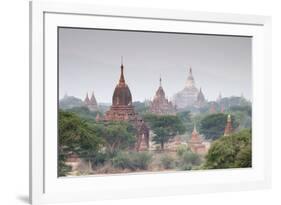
{"points": [[160, 105], [91, 103], [190, 95]]}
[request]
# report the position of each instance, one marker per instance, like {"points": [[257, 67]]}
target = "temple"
{"points": [[123, 110], [201, 101], [91, 103], [195, 143], [190, 95], [228, 128], [160, 104]]}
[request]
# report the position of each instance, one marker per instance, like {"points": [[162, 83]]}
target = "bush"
{"points": [[187, 159], [186, 167], [142, 159], [181, 150], [191, 158], [167, 161], [232, 151], [100, 158], [132, 160], [63, 169]]}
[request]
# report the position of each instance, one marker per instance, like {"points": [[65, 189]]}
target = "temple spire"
{"points": [[122, 79], [228, 118], [160, 81], [87, 100], [228, 128], [194, 128]]}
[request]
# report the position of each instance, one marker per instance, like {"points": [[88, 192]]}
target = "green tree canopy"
{"points": [[212, 126], [164, 127], [116, 135], [232, 151], [76, 136], [84, 113], [185, 116]]}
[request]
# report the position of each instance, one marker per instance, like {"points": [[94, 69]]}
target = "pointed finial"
{"points": [[190, 70], [160, 80], [228, 118], [122, 79], [194, 128]]}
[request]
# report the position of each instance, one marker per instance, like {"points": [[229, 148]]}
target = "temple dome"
{"points": [[122, 94]]}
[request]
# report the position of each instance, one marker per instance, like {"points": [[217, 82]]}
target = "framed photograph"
{"points": [[129, 102]]}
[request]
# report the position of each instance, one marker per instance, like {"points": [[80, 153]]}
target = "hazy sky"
{"points": [[89, 60]]}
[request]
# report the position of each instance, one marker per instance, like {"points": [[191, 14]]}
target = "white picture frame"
{"points": [[46, 187]]}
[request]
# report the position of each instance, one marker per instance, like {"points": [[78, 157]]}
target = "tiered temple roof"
{"points": [[160, 104]]}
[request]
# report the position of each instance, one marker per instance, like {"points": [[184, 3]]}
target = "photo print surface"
{"points": [[139, 101]]}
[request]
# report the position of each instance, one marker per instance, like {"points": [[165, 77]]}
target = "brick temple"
{"points": [[122, 109], [160, 104], [195, 143], [91, 104]]}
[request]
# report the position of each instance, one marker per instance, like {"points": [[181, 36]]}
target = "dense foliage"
{"points": [[212, 126], [232, 151], [117, 135], [132, 160], [187, 159], [165, 127], [84, 113], [75, 136]]}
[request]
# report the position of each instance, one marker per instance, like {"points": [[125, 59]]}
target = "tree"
{"points": [[212, 126], [243, 114], [117, 135], [84, 113], [75, 136], [187, 159], [185, 116], [232, 151], [164, 127]]}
